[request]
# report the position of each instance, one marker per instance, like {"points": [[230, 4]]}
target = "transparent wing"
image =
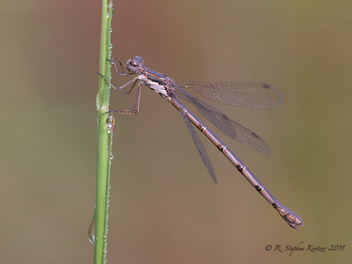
{"points": [[201, 150], [226, 125], [249, 95]]}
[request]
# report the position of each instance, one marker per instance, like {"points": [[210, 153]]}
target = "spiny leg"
{"points": [[135, 108], [116, 68]]}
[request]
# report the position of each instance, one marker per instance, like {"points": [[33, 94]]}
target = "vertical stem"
{"points": [[104, 139]]}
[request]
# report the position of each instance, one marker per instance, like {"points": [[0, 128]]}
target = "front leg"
{"points": [[120, 88], [122, 73], [135, 108]]}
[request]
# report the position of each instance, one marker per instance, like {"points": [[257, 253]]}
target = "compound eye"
{"points": [[138, 59]]}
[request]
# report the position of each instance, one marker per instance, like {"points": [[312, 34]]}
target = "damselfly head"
{"points": [[134, 64]]}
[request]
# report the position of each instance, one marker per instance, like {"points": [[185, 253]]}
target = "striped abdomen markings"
{"points": [[251, 95], [290, 217]]}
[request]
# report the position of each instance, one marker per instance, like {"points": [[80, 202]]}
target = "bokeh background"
{"points": [[164, 207]]}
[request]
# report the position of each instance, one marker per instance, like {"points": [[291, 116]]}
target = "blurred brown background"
{"points": [[164, 207]]}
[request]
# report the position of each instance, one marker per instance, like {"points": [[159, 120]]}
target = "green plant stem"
{"points": [[104, 140]]}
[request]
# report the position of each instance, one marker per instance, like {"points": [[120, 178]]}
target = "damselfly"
{"points": [[250, 95]]}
